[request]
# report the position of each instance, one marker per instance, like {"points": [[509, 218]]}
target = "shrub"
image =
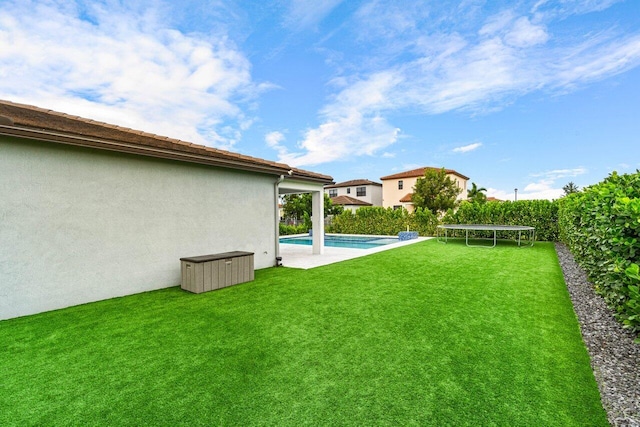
{"points": [[601, 226], [381, 221], [293, 229]]}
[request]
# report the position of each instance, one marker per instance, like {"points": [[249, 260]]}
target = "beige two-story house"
{"points": [[398, 188], [355, 193]]}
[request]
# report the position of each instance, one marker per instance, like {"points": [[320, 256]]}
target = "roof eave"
{"points": [[123, 147]]}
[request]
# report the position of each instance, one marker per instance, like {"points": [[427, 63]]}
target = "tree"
{"points": [[476, 194], [296, 205], [435, 191], [570, 188]]}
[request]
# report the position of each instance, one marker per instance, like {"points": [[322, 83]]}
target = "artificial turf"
{"points": [[428, 334]]}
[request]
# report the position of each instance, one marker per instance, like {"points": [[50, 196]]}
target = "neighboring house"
{"points": [[361, 190], [349, 203], [90, 211], [397, 189]]}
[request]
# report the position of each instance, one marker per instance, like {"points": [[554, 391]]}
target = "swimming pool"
{"points": [[337, 241]]}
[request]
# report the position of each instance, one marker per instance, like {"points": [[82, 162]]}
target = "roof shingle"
{"points": [[408, 198], [346, 200]]}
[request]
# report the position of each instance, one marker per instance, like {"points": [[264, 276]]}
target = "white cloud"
{"points": [[596, 58], [497, 23], [547, 187], [524, 34], [274, 140], [572, 7], [561, 173], [351, 125], [500, 194], [124, 67], [544, 187], [467, 148], [304, 14], [537, 192], [515, 31], [540, 190], [343, 138], [414, 66], [387, 19]]}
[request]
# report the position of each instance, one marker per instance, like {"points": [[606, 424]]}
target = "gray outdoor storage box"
{"points": [[210, 272]]}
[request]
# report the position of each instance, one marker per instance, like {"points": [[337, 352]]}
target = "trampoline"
{"points": [[531, 231]]}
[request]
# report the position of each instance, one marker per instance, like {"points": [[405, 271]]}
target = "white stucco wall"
{"points": [[80, 225]]}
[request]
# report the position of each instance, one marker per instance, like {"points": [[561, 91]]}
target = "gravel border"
{"points": [[615, 359]]}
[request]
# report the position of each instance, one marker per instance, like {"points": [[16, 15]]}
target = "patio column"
{"points": [[317, 210]]}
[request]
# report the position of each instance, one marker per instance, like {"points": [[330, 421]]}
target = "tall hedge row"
{"points": [[381, 221], [541, 214], [601, 226]]}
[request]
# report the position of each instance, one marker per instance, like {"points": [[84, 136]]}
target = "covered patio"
{"points": [[286, 186]]}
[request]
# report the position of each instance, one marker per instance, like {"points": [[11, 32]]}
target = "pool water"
{"points": [[354, 242]]}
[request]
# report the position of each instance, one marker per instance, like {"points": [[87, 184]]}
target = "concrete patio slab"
{"points": [[300, 256]]}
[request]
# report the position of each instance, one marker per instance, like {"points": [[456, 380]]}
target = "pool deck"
{"points": [[300, 256]]}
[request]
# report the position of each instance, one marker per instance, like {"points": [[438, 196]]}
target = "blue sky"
{"points": [[513, 94]]}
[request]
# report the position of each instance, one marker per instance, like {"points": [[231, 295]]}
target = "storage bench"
{"points": [[209, 272]]}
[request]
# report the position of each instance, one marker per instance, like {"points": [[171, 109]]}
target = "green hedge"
{"points": [[541, 214], [293, 229], [381, 221], [601, 226]]}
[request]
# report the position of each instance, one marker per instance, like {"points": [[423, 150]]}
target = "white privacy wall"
{"points": [[80, 225]]}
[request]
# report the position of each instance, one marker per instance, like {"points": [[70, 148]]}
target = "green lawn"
{"points": [[427, 334]]}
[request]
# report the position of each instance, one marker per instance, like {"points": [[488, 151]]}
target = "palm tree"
{"points": [[476, 194]]}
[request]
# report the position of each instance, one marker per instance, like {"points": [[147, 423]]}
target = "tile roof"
{"points": [[353, 183], [420, 172], [346, 200], [27, 121], [407, 198]]}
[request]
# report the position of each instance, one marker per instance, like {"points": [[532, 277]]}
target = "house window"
{"points": [[361, 191], [348, 190], [333, 192], [396, 207], [400, 185]]}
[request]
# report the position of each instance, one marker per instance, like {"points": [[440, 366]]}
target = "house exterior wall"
{"points": [[373, 196], [80, 225], [462, 184], [391, 195]]}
